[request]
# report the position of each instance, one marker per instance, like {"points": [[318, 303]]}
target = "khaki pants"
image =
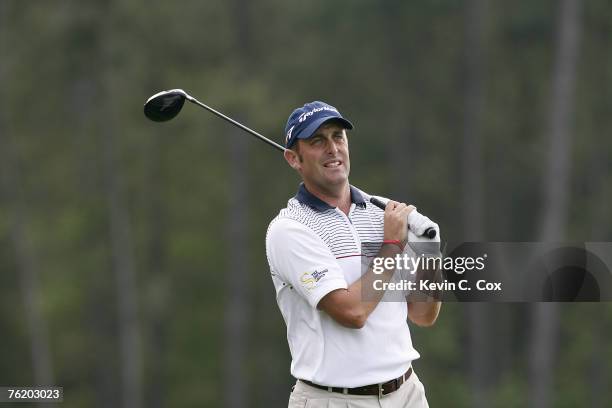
{"points": [[410, 395]]}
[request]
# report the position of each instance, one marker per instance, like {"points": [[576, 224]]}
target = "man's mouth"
{"points": [[332, 163]]}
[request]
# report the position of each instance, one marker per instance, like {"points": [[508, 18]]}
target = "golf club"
{"points": [[165, 105]]}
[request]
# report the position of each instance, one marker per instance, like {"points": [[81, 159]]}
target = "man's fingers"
{"points": [[397, 206], [391, 205], [403, 210], [409, 209], [400, 207]]}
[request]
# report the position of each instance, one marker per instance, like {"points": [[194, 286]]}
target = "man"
{"points": [[345, 346]]}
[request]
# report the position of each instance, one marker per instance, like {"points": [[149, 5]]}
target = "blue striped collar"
{"points": [[306, 197]]}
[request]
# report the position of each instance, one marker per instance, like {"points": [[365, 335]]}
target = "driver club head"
{"points": [[165, 105]]}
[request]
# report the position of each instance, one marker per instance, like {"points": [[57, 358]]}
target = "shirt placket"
{"points": [[349, 223]]}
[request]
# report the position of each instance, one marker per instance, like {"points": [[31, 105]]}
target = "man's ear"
{"points": [[293, 159]]}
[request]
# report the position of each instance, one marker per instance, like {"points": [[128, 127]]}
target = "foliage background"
{"points": [[123, 242]]}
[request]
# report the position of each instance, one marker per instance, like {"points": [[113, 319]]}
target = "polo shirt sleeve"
{"points": [[300, 258]]}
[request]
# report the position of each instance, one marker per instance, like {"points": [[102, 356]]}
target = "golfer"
{"points": [[344, 348]]}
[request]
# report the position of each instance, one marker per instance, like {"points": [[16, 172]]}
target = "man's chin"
{"points": [[337, 180]]}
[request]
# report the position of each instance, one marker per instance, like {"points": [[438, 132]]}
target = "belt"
{"points": [[372, 389]]}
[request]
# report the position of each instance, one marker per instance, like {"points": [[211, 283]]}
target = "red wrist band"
{"points": [[394, 242]]}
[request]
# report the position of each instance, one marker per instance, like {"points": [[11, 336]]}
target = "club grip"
{"points": [[429, 232]]}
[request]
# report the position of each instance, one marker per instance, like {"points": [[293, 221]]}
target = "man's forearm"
{"points": [[424, 313], [352, 306], [424, 306], [364, 289]]}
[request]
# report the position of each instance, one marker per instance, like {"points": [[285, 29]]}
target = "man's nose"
{"points": [[332, 148]]}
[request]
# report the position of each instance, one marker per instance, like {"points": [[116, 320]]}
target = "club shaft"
{"points": [[233, 122], [430, 232]]}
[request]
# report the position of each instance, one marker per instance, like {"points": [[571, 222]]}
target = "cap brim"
{"points": [[307, 132]]}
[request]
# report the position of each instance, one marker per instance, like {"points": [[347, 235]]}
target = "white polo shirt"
{"points": [[312, 249]]}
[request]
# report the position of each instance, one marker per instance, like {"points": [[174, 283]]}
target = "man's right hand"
{"points": [[396, 221]]}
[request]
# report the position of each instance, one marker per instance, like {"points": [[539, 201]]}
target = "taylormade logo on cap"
{"points": [[289, 134], [304, 116], [304, 121]]}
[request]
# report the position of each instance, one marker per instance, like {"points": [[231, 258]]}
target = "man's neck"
{"points": [[340, 197]]}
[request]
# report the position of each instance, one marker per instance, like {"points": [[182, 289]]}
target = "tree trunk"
{"points": [[159, 286], [25, 255], [25, 259], [598, 377], [125, 275], [599, 170], [473, 199], [399, 148], [545, 338], [119, 227], [235, 380], [97, 321], [556, 184]]}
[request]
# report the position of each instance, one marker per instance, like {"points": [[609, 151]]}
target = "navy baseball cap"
{"points": [[304, 121]]}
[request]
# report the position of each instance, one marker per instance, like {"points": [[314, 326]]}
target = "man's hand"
{"points": [[396, 221]]}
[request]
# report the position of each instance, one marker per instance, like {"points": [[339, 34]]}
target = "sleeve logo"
{"points": [[309, 279]]}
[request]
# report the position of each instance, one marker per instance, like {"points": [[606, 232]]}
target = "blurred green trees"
{"points": [[73, 78]]}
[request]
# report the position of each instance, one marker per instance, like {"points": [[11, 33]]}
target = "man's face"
{"points": [[323, 159]]}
